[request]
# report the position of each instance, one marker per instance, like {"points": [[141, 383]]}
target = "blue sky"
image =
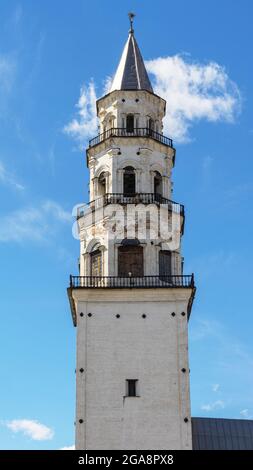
{"points": [[49, 53]]}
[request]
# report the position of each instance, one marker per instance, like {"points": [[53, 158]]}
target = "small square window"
{"points": [[131, 387]]}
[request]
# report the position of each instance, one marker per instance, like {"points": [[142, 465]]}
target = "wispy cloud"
{"points": [[33, 223], [55, 210], [218, 404], [31, 428], [107, 84], [207, 163], [205, 265], [193, 91], [36, 64], [85, 124], [17, 15], [68, 447], [7, 73], [229, 357], [246, 414], [9, 179], [215, 387], [229, 347], [204, 328], [236, 194]]}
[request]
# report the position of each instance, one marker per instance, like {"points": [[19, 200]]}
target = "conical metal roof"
{"points": [[131, 73]]}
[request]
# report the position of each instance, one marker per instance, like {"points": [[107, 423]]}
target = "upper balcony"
{"points": [[136, 132]]}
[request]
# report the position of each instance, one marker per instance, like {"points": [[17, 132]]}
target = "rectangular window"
{"points": [[131, 387], [130, 123]]}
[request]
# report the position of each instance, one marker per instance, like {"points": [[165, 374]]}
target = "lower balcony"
{"points": [[124, 199], [165, 281]]}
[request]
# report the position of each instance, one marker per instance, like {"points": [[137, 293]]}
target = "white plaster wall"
{"points": [[110, 259], [115, 153], [120, 103], [144, 155], [152, 350]]}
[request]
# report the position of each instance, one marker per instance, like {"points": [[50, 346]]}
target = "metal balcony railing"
{"points": [[120, 282], [138, 198], [136, 132]]}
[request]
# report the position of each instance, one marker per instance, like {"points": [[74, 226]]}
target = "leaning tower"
{"points": [[131, 301]]}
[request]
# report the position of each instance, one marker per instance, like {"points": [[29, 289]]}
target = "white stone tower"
{"points": [[131, 302]]}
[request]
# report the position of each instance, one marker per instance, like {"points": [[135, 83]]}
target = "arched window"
{"points": [[130, 259], [158, 189], [102, 184], [130, 123], [96, 261], [165, 263], [129, 181]]}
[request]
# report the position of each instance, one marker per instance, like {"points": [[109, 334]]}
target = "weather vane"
{"points": [[131, 18]]}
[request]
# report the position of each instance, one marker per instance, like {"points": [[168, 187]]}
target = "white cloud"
{"points": [[8, 179], [68, 448], [33, 223], [193, 91], [215, 387], [85, 124], [107, 85], [31, 428], [246, 414], [213, 406]]}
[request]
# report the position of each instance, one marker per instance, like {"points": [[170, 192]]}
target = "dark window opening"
{"points": [[132, 387], [130, 261], [96, 263], [129, 181], [151, 124], [130, 123], [158, 184], [165, 263], [102, 184]]}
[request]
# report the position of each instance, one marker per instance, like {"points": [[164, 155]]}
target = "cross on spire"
{"points": [[131, 19]]}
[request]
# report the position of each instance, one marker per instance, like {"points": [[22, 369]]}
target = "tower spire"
{"points": [[131, 19], [131, 73]]}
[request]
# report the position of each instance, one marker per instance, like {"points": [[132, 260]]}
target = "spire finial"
{"points": [[131, 19]]}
